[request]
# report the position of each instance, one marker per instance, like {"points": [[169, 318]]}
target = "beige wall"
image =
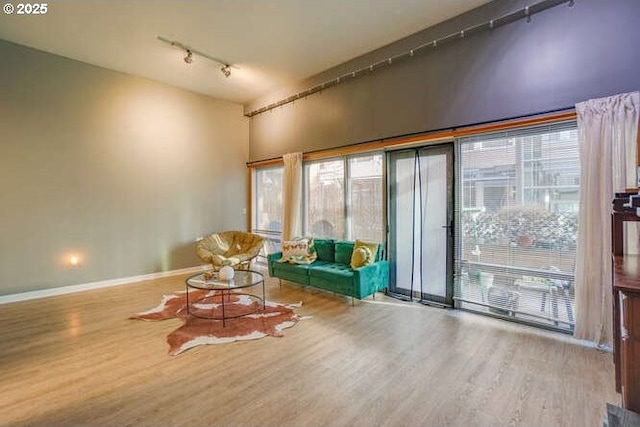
{"points": [[122, 171]]}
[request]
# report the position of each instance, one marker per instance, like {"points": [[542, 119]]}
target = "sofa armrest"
{"points": [[371, 278], [271, 258], [274, 256]]}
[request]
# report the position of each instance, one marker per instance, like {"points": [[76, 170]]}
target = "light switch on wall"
{"points": [[244, 211]]}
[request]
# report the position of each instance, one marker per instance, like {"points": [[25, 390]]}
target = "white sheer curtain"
{"points": [[292, 196], [607, 134]]}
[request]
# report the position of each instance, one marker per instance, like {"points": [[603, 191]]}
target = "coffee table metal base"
{"points": [[221, 295]]}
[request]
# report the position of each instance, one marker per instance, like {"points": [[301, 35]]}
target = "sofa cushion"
{"points": [[343, 252], [361, 256], [373, 247], [295, 247], [298, 273], [301, 250], [328, 271], [325, 249]]}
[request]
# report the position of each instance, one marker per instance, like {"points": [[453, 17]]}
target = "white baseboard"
{"points": [[43, 293]]}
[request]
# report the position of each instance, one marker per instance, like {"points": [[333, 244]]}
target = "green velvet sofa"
{"points": [[331, 271]]}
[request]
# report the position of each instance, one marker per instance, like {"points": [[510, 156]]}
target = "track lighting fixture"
{"points": [[190, 52], [188, 58]]}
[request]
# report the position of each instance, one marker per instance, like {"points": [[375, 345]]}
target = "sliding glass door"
{"points": [[519, 204], [420, 188]]}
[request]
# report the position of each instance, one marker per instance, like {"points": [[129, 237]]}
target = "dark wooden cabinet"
{"points": [[626, 314], [627, 329]]}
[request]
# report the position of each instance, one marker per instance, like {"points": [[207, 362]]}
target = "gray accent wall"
{"points": [[124, 172], [563, 56]]}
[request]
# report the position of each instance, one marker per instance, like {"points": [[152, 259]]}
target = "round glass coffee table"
{"points": [[227, 302]]}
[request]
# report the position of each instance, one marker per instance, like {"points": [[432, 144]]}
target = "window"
{"points": [[343, 198], [365, 204], [267, 205], [324, 203], [518, 216]]}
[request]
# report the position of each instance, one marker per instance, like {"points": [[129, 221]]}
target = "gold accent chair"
{"points": [[234, 248]]}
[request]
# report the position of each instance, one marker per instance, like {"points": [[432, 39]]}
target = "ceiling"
{"points": [[272, 43]]}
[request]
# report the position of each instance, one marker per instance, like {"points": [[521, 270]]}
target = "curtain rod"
{"points": [[530, 120], [526, 12]]}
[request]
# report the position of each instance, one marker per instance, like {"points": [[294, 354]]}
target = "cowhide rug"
{"points": [[267, 321]]}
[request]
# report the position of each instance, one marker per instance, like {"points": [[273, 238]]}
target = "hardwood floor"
{"points": [[76, 360]]}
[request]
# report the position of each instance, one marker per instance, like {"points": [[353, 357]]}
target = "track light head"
{"points": [[188, 58], [190, 53]]}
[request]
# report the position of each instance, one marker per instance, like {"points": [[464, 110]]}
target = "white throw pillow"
{"points": [[296, 247]]}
